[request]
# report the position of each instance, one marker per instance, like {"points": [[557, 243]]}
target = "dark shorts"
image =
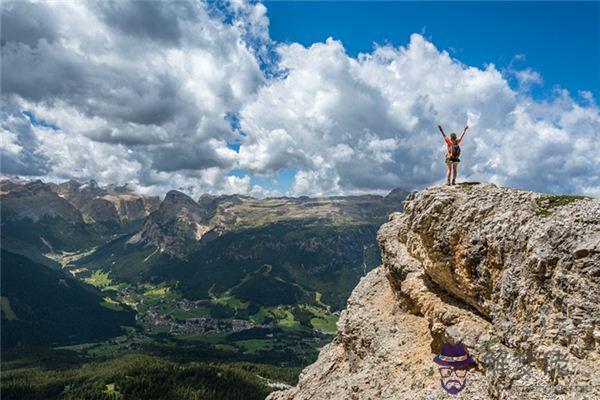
{"points": [[450, 159]]}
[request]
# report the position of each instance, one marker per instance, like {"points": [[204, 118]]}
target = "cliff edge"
{"points": [[512, 275]]}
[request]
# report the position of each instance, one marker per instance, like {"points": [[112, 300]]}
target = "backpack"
{"points": [[455, 151]]}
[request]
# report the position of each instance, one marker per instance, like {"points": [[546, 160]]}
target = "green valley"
{"points": [[238, 293]]}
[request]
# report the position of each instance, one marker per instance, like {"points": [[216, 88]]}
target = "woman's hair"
{"points": [[453, 136]]}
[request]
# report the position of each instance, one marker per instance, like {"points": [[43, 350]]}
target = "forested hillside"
{"points": [[42, 306]]}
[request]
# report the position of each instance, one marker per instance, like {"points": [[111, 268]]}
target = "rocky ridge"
{"points": [[513, 275], [181, 225], [111, 203], [74, 201], [34, 201], [177, 226]]}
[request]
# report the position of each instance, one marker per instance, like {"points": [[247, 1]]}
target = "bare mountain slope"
{"points": [[111, 204]]}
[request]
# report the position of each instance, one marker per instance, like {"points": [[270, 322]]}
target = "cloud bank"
{"points": [[156, 93]]}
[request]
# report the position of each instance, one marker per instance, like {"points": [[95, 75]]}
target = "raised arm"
{"points": [[441, 130], [465, 131]]}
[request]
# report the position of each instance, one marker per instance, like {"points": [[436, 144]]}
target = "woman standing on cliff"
{"points": [[453, 153]]}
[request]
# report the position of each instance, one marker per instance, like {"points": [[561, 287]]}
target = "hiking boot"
{"points": [[453, 182], [448, 183]]}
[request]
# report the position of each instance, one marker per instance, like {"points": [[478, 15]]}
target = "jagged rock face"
{"points": [[177, 227], [34, 201], [105, 204], [500, 270], [380, 352], [35, 219], [75, 207], [6, 185], [130, 207], [536, 277], [87, 199]]}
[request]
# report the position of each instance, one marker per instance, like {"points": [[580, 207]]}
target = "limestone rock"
{"points": [[513, 275], [112, 203], [34, 201], [177, 226]]}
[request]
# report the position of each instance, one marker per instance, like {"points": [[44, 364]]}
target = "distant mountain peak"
{"points": [[113, 209], [177, 196], [397, 191], [177, 226], [118, 189], [29, 188]]}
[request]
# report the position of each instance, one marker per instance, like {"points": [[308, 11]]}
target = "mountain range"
{"points": [[273, 262]]}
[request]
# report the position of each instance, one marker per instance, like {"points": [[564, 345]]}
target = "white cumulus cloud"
{"points": [[138, 90], [154, 93], [369, 123]]}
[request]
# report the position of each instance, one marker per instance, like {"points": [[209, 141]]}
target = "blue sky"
{"points": [[560, 40]]}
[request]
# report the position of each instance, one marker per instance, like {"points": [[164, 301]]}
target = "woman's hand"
{"points": [[465, 131]]}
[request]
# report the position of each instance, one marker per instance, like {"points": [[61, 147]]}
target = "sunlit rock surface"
{"points": [[513, 275]]}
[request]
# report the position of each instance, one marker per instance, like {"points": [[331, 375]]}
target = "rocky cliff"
{"points": [[512, 275], [176, 226], [112, 203], [34, 201]]}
